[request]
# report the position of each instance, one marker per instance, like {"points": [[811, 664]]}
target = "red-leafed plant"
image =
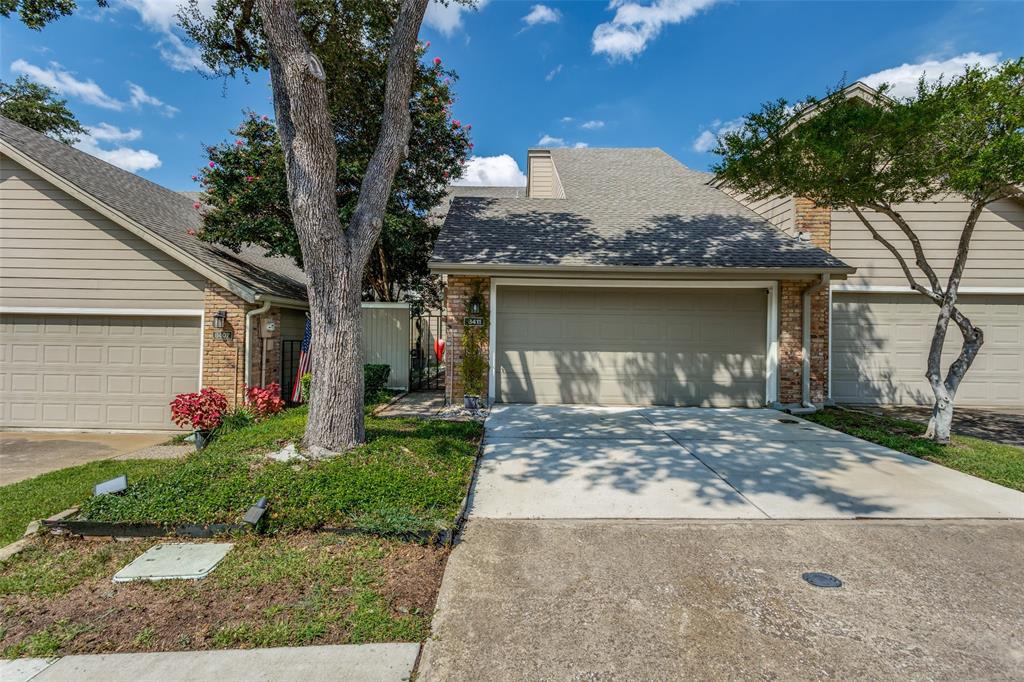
{"points": [[264, 401], [202, 411]]}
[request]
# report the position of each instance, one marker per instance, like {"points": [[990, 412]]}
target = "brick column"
{"points": [[457, 294], [224, 361], [272, 373], [791, 342], [813, 220]]}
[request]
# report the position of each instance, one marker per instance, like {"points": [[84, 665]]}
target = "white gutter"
{"points": [[248, 336], [805, 388]]}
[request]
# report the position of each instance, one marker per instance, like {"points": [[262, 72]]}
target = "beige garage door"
{"points": [[880, 349], [631, 346], [95, 372]]}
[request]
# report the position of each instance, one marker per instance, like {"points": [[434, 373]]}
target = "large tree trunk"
{"points": [[335, 258]]}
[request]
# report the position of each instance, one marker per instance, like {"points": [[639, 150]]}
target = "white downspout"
{"points": [[248, 337], [805, 388]]}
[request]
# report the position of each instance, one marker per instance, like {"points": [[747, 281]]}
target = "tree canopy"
{"points": [[38, 13], [245, 180], [39, 108]]}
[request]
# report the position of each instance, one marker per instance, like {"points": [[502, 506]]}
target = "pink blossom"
{"points": [[469, 126], [456, 123], [437, 61], [239, 143], [197, 205], [445, 174], [194, 178], [470, 145], [426, 45], [249, 178], [266, 118], [190, 232], [213, 165]]}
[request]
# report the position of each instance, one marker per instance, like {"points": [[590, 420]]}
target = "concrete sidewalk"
{"points": [[340, 663]]}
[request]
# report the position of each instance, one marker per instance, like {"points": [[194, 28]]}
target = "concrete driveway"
{"points": [[579, 462], [25, 454]]}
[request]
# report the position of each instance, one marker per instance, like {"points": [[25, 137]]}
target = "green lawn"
{"points": [[48, 494], [1002, 464], [290, 590], [410, 476]]}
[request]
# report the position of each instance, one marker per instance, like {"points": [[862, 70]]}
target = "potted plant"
{"points": [[474, 361], [202, 411]]}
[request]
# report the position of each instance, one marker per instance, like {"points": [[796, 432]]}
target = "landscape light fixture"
{"points": [[819, 579], [219, 318], [111, 487], [256, 512]]}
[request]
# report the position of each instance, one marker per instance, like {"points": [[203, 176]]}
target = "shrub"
{"points": [[307, 381], [202, 411], [238, 418], [375, 379], [264, 401]]}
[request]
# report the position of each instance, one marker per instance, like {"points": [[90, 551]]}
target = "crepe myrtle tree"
{"points": [[962, 136], [305, 45]]}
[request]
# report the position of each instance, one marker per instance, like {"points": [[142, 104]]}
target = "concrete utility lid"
{"points": [[175, 561]]}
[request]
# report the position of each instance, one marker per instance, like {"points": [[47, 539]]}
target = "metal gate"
{"points": [[290, 351], [425, 372]]}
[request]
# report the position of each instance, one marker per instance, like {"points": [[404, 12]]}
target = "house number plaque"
{"points": [[473, 321]]}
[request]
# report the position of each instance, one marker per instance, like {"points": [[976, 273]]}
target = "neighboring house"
{"points": [[622, 277], [109, 306], [882, 331]]}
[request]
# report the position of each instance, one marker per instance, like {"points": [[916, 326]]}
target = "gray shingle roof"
{"points": [[623, 208], [165, 213]]}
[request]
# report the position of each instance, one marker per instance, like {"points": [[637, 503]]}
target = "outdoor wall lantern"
{"points": [[474, 307], [219, 318]]}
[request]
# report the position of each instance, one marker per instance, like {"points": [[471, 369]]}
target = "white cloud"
{"points": [[542, 14], [139, 97], [550, 141], [592, 125], [104, 132], [708, 138], [132, 160], [581, 145], [447, 18], [904, 78], [553, 72], [567, 119], [493, 171], [66, 84], [161, 16], [634, 25]]}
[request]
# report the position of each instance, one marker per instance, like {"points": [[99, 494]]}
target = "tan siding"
{"points": [[386, 342], [997, 247], [57, 252], [543, 181]]}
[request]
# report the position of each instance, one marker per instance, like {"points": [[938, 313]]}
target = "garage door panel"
{"points": [[629, 346], [880, 347], [96, 371]]}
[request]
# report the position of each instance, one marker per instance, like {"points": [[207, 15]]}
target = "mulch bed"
{"points": [[313, 589]]}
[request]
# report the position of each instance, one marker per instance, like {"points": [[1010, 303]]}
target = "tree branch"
{"points": [[396, 126], [919, 258], [962, 249], [914, 284]]}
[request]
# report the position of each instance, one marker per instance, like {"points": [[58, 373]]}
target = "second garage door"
{"points": [[95, 372], [880, 349], [621, 346]]}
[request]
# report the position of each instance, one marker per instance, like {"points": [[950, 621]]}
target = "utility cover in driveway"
{"points": [[175, 561]]}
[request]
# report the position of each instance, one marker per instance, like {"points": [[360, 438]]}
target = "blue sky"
{"points": [[665, 73]]}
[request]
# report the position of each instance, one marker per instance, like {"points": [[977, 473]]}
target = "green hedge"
{"points": [[375, 379]]}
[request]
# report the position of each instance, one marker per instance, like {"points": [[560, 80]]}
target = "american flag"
{"points": [[303, 363]]}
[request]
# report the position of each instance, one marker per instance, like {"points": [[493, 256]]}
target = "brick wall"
{"points": [[791, 342], [224, 360], [457, 294], [815, 221]]}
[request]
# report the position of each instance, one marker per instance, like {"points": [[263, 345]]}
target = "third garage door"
{"points": [[622, 346]]}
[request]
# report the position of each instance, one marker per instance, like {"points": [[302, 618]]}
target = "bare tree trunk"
{"points": [[335, 258]]}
